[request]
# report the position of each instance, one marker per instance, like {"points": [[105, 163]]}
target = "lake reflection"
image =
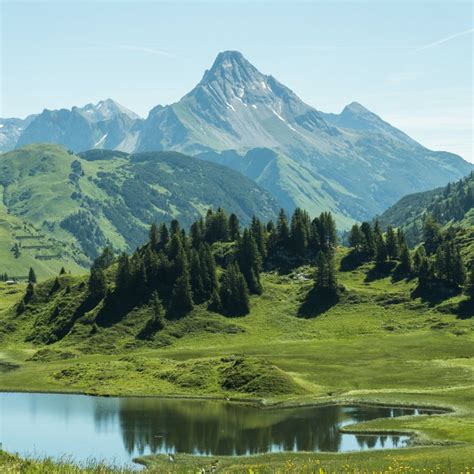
{"points": [[122, 428]]}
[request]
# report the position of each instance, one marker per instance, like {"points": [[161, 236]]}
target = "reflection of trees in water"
{"points": [[206, 427]]}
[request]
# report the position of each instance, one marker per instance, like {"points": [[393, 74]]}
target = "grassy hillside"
{"points": [[71, 206], [378, 344], [22, 245]]}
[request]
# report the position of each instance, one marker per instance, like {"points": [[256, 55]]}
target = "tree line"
{"points": [[437, 262], [176, 270]]}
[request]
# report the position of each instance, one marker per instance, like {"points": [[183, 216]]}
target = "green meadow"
{"points": [[377, 346]]}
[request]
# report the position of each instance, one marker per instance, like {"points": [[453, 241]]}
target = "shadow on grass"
{"points": [[465, 310], [380, 270], [435, 292], [352, 261], [318, 301]]}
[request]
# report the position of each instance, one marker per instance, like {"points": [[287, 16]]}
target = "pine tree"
{"points": [[164, 236], [369, 240], [418, 258], [181, 301], [431, 235], [356, 238], [31, 276], [157, 321], [106, 258], [234, 228], [154, 237], [29, 293], [56, 286], [234, 292], [469, 287], [208, 265], [282, 230], [327, 232], [325, 276], [392, 246], [380, 246], [250, 263], [217, 226], [299, 232], [196, 274], [197, 232], [62, 271], [405, 264], [215, 302], [123, 278], [258, 232], [97, 283]]}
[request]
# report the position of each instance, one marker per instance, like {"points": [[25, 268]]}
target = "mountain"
{"points": [[354, 163], [449, 205], [101, 197], [11, 130], [106, 124]]}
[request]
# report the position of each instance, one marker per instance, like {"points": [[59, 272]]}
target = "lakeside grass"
{"points": [[376, 346]]}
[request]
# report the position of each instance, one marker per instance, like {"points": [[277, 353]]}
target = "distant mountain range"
{"points": [[59, 208], [353, 163]]}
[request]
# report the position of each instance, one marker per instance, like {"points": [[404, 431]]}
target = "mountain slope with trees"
{"points": [[450, 205], [101, 198]]}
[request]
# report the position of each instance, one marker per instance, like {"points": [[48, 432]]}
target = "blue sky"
{"points": [[408, 61]]}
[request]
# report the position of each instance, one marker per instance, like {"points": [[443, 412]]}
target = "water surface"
{"points": [[119, 429]]}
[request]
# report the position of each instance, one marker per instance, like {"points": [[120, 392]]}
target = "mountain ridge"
{"points": [[353, 163]]}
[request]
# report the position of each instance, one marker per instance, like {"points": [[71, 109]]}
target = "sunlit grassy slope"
{"points": [[376, 345], [63, 208]]}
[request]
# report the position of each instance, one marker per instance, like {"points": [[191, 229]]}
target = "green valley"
{"points": [[315, 331]]}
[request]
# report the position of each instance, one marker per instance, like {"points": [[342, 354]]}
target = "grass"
{"points": [[377, 345]]}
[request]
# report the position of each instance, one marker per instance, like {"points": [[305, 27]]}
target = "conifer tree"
{"points": [[29, 293], [215, 302], [419, 256], [392, 246], [196, 276], [31, 276], [56, 286], [181, 301], [157, 321], [250, 262], [97, 283], [380, 246], [197, 232], [469, 287], [234, 228], [356, 238], [405, 264], [174, 227], [431, 235], [282, 229], [154, 237], [234, 292], [62, 271], [299, 232], [369, 240], [208, 265], [325, 276], [164, 236], [258, 232], [123, 278]]}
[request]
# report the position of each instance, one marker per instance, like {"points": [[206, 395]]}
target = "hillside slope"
{"points": [[97, 198]]}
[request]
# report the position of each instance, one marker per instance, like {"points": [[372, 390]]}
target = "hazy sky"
{"points": [[408, 61]]}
